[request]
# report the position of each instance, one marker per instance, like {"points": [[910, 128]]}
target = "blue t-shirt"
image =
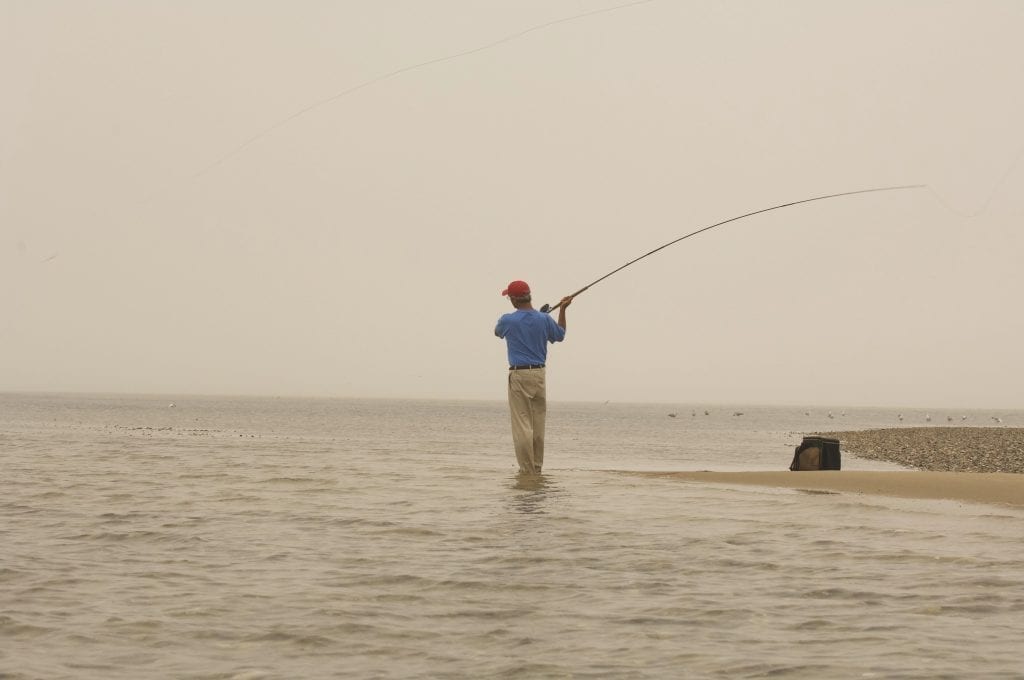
{"points": [[527, 332]]}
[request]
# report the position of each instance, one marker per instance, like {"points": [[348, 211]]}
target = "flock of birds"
{"points": [[927, 416], [949, 419]]}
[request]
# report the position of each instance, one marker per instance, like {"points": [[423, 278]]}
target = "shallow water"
{"points": [[276, 538]]}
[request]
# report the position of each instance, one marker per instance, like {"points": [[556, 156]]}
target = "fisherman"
{"points": [[526, 332]]}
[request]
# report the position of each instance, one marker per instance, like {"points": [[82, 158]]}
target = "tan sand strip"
{"points": [[998, 488]]}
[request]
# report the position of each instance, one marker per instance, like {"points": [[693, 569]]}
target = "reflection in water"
{"points": [[536, 491]]}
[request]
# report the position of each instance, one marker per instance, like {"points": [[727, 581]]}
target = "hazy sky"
{"points": [[311, 198]]}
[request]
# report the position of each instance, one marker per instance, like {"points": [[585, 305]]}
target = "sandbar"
{"points": [[995, 488], [969, 464]]}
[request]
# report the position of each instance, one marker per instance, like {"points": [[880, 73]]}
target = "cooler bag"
{"points": [[816, 453]]}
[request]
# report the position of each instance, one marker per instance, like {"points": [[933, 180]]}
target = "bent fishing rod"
{"points": [[550, 308]]}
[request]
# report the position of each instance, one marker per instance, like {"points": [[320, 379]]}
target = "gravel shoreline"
{"points": [[949, 449]]}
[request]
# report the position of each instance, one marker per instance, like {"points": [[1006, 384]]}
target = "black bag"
{"points": [[816, 453]]}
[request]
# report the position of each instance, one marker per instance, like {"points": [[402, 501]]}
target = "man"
{"points": [[527, 333]]}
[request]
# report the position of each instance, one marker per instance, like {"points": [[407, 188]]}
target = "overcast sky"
{"points": [[326, 198]]}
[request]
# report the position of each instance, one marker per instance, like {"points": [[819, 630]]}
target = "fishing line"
{"points": [[549, 308], [995, 189], [406, 69]]}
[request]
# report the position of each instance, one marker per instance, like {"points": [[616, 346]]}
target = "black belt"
{"points": [[525, 366]]}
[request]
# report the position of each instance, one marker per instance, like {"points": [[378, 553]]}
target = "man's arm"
{"points": [[566, 301]]}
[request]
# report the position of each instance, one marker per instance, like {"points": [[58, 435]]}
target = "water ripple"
{"points": [[393, 541]]}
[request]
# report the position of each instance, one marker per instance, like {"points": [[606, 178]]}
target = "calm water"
{"points": [[274, 538]]}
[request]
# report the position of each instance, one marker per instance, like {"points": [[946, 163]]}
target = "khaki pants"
{"points": [[527, 402]]}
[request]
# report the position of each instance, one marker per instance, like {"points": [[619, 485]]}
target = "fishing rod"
{"points": [[549, 308]]}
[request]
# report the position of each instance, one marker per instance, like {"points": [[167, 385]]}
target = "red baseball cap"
{"points": [[517, 289]]}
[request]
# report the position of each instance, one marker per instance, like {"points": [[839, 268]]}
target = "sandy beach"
{"points": [[969, 464], [999, 488]]}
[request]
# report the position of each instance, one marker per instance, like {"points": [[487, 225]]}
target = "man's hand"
{"points": [[566, 301]]}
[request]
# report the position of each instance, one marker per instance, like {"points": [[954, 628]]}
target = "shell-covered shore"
{"points": [[951, 449]]}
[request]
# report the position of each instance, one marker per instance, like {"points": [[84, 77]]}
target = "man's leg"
{"points": [[539, 411], [527, 400], [522, 420]]}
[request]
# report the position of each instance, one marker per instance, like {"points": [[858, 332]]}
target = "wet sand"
{"points": [[969, 464], [999, 488]]}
